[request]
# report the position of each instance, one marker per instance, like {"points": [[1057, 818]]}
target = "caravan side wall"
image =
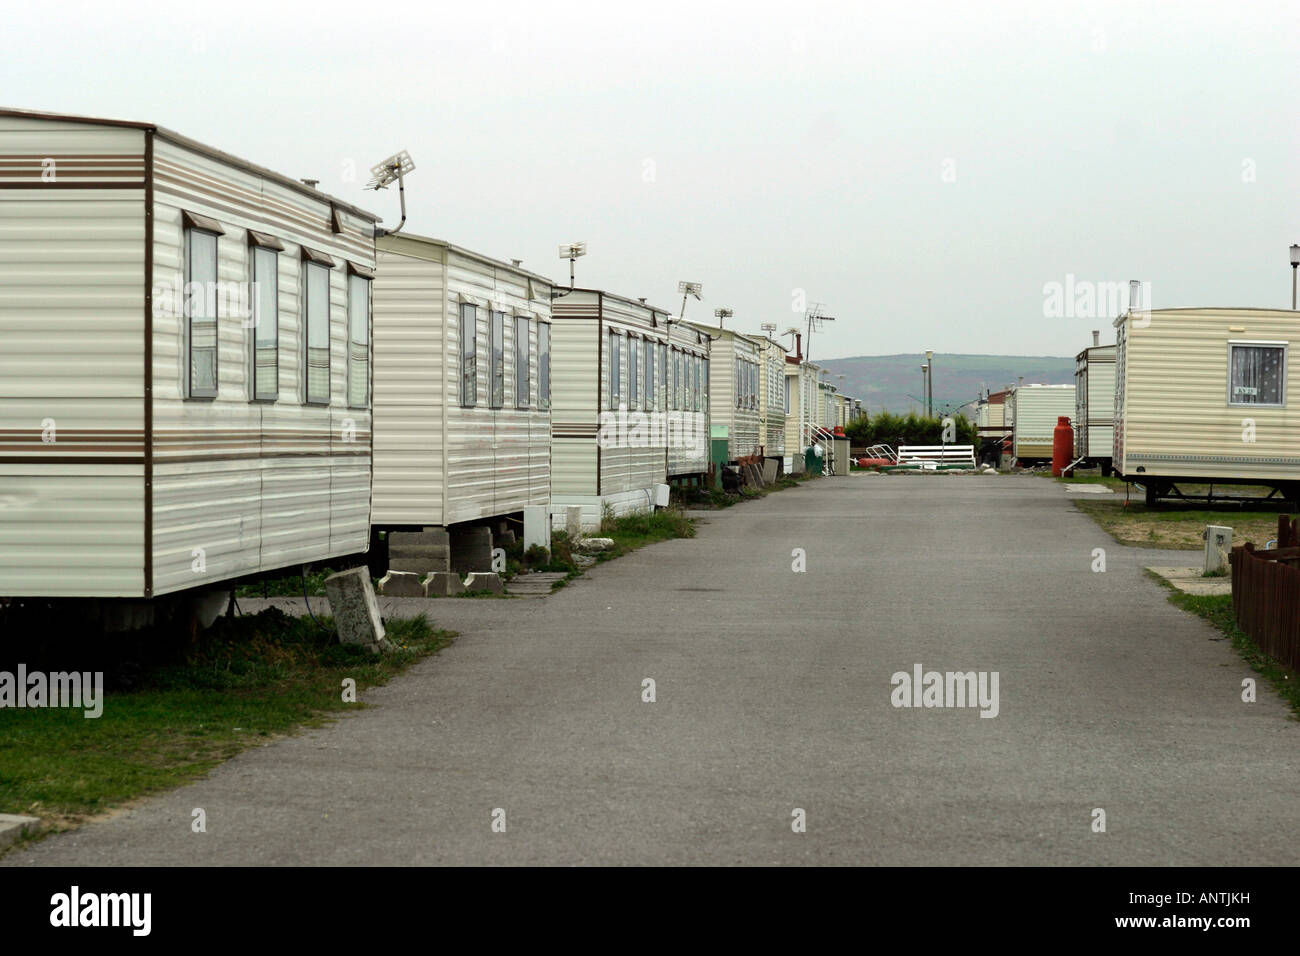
{"points": [[72, 271], [1036, 410], [1173, 416], [252, 485], [411, 386]]}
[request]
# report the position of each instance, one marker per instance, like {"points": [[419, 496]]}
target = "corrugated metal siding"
{"points": [[575, 393], [409, 297], [1036, 410], [252, 486], [71, 361], [1175, 419], [688, 454], [492, 465]]}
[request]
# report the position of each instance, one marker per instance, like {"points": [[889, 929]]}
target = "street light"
{"points": [[925, 370], [929, 396], [1295, 261]]}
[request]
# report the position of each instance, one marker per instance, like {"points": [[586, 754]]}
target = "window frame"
{"points": [[210, 297], [308, 265], [614, 362], [368, 284], [467, 361], [258, 246], [1284, 347], [523, 368], [543, 366], [633, 370], [497, 359]]}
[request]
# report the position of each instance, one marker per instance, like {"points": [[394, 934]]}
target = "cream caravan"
{"points": [[629, 394], [462, 386], [1204, 395], [1094, 405], [185, 381]]}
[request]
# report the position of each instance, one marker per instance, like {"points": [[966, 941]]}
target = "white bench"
{"points": [[937, 454]]}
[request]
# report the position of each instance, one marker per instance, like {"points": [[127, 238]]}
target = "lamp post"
{"points": [[925, 372], [929, 395], [1295, 261]]}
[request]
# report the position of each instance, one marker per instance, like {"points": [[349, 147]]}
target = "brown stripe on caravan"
{"points": [[62, 172], [73, 184], [111, 159], [69, 436], [70, 460], [55, 452], [148, 361]]}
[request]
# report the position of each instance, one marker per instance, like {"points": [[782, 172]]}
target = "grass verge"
{"points": [[1217, 609], [172, 711]]}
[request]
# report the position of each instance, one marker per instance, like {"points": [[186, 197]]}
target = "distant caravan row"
{"points": [[1190, 396], [213, 371]]}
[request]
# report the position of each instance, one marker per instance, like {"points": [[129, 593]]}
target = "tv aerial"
{"points": [[393, 169]]}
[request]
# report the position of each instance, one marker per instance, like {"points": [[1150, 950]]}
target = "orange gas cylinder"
{"points": [[1062, 445]]}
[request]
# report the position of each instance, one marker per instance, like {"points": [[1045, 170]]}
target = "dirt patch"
{"points": [[1136, 525]]}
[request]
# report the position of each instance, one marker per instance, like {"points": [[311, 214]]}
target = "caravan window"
{"points": [[468, 354], [358, 341], [633, 367], [543, 365], [675, 360], [704, 384], [318, 334], [787, 394], [649, 375], [497, 360], [523, 381], [615, 370], [266, 324], [201, 311], [663, 377], [1257, 373]]}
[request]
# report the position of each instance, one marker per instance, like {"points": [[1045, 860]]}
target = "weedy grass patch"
{"points": [[174, 709]]}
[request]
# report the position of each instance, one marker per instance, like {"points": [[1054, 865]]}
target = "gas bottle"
{"points": [[1062, 445]]}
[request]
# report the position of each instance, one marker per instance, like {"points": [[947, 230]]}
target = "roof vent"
{"points": [[313, 183], [516, 262]]}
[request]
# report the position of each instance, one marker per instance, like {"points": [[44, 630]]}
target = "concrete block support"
{"points": [[419, 552], [471, 550], [355, 610]]}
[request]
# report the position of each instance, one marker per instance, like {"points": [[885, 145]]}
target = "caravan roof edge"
{"points": [[187, 142]]}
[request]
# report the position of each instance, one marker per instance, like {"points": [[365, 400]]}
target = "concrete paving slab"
{"points": [[1193, 580]]}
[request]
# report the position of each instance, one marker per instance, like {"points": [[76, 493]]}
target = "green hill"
{"points": [[893, 382]]}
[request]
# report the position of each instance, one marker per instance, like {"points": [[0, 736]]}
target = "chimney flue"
{"points": [[1096, 338]]}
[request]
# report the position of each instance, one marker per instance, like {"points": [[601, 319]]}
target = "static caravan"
{"points": [[772, 408], [185, 381], [462, 419], [1032, 412], [801, 387], [734, 373], [1094, 405], [622, 395], [993, 427], [1203, 395], [687, 420]]}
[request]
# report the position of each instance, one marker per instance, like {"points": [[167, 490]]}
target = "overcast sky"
{"points": [[923, 170]]}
